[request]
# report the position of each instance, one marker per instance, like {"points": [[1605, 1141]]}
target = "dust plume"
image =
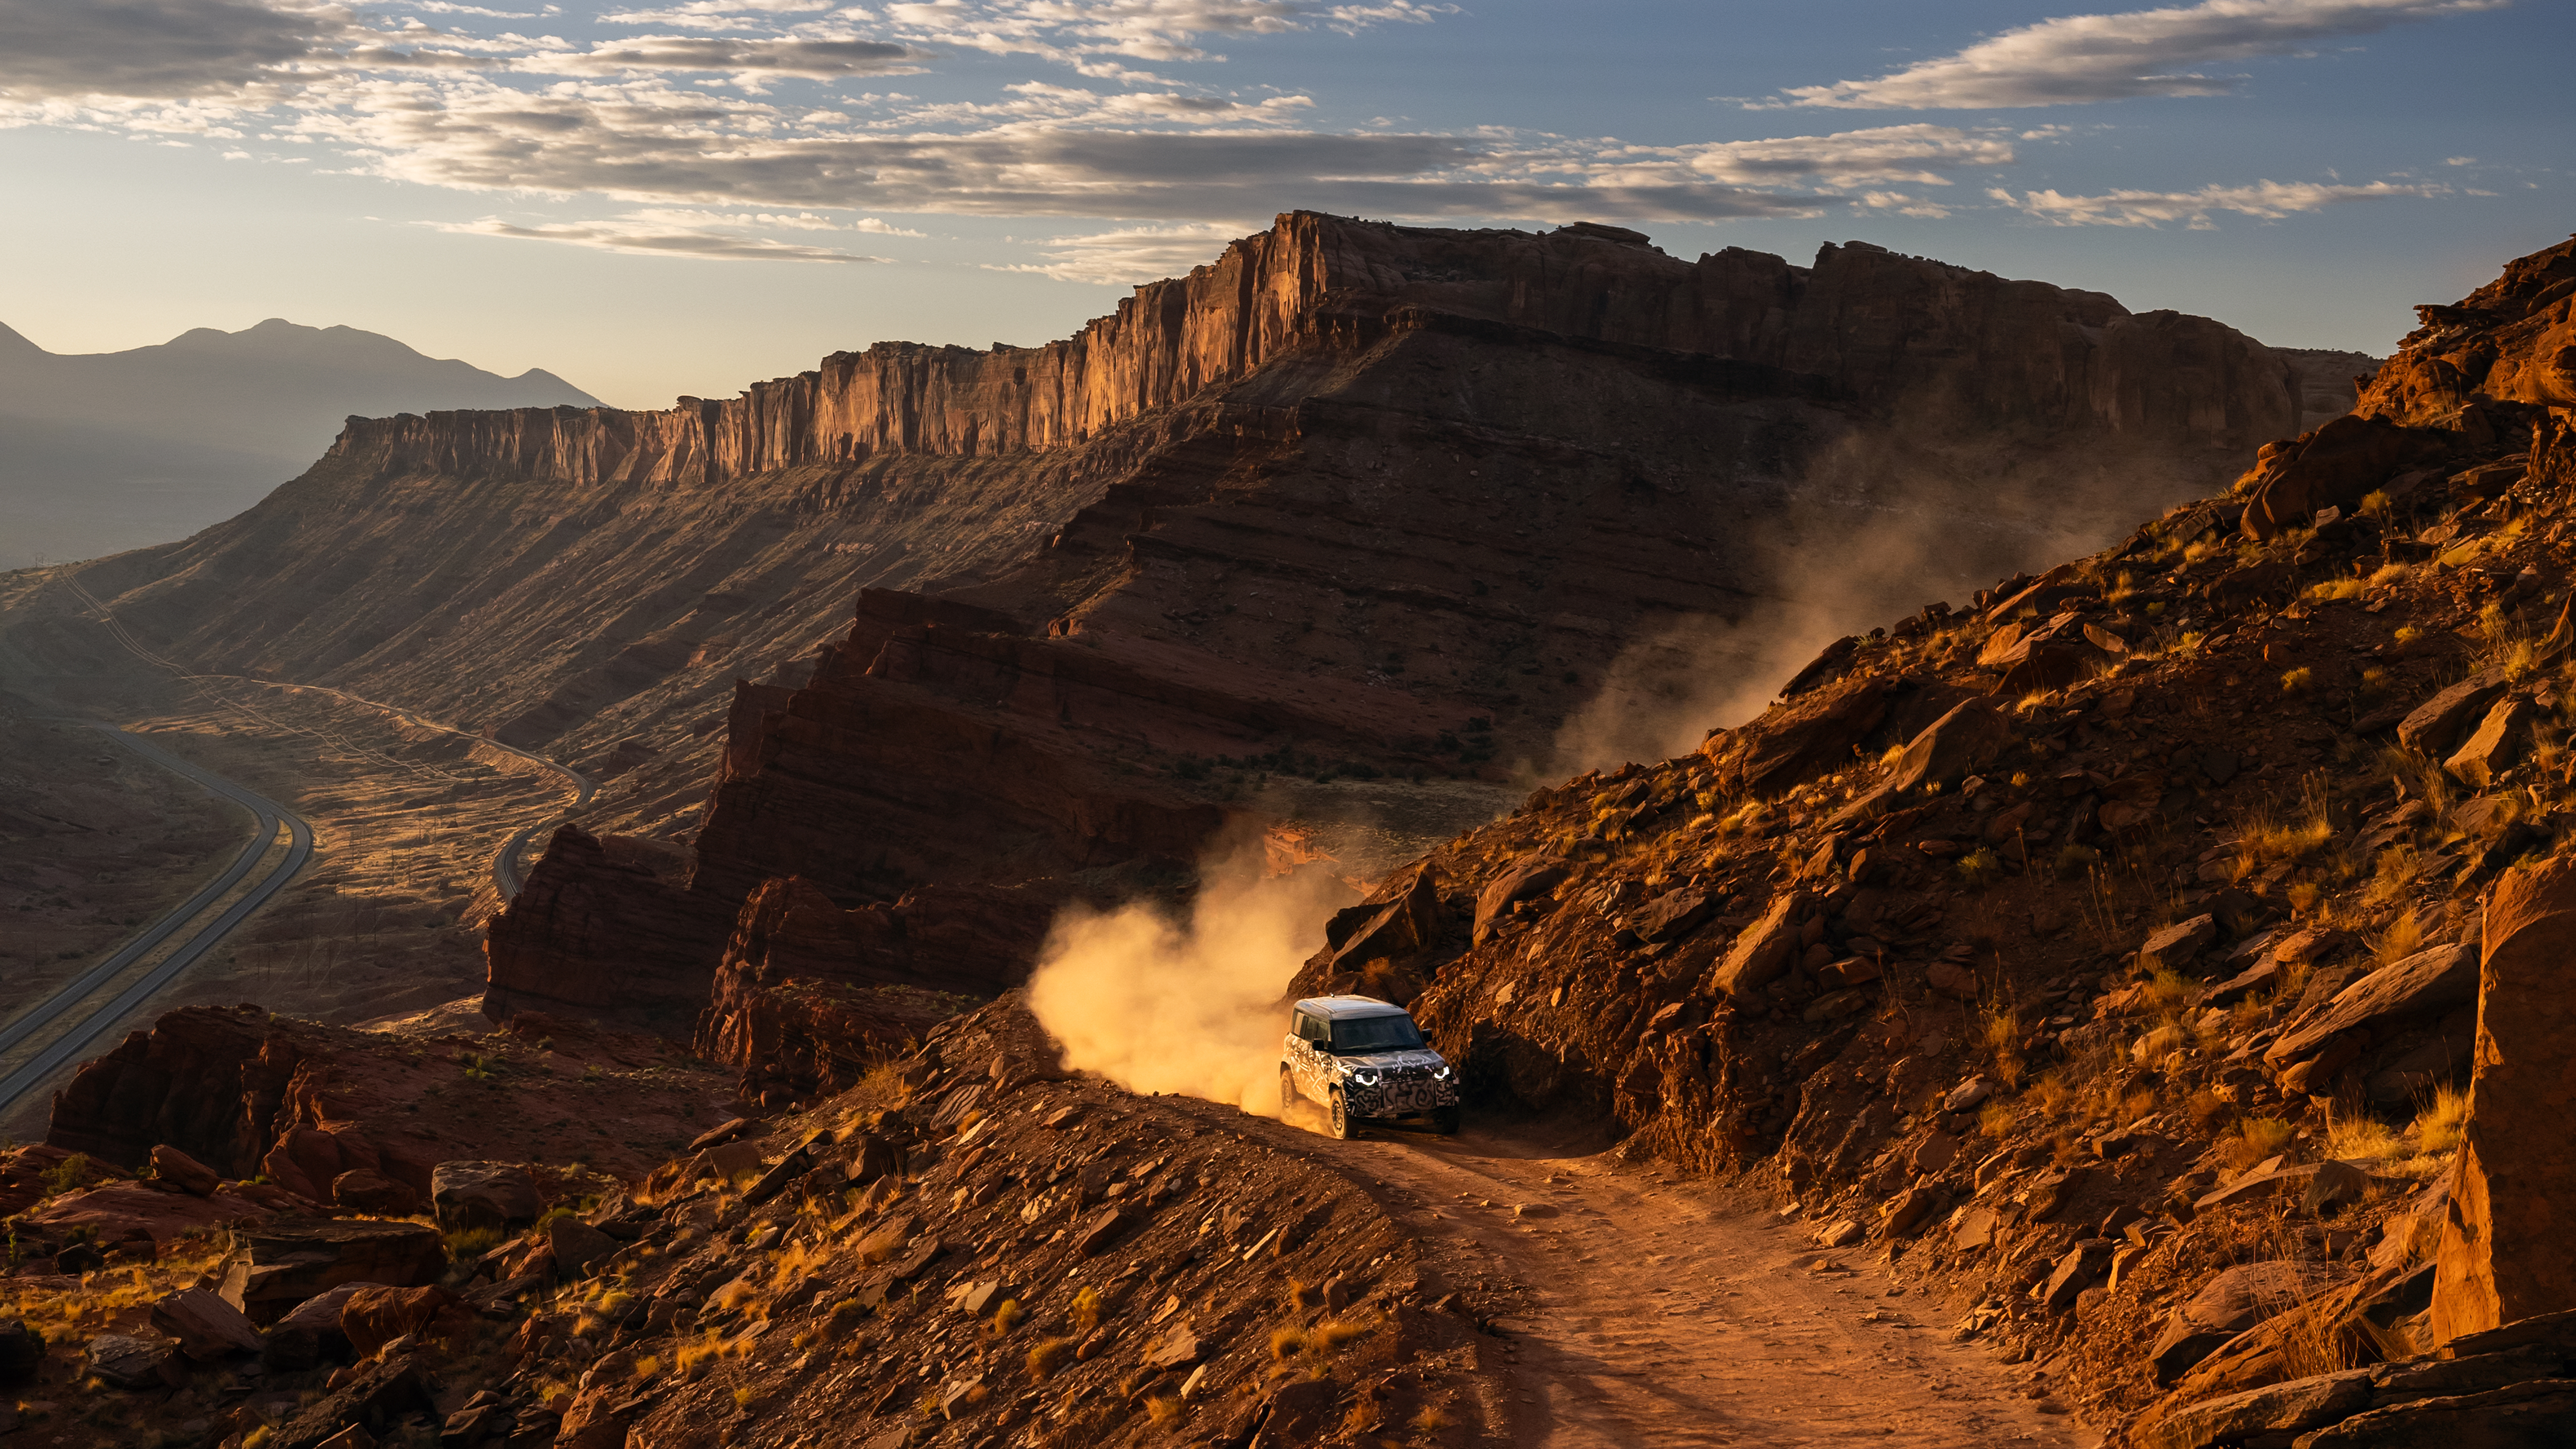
{"points": [[1874, 529], [1192, 1006]]}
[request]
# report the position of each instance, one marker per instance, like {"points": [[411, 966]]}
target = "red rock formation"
{"points": [[1408, 486], [248, 1094]]}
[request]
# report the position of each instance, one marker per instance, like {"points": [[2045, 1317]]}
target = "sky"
{"points": [[657, 199]]}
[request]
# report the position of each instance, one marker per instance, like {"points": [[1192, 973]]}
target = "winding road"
{"points": [[1658, 1312], [67, 1047]]}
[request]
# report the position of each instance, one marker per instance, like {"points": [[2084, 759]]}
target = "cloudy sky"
{"points": [[675, 197]]}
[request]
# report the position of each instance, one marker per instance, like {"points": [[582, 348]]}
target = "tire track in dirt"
{"points": [[1658, 1312]]}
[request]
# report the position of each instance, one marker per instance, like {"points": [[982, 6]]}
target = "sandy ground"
{"points": [[1640, 1308]]}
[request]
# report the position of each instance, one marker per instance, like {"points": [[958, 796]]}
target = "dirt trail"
{"points": [[1659, 1314]]}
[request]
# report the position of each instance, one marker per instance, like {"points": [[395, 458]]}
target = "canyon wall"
{"points": [[1888, 329], [1348, 527]]}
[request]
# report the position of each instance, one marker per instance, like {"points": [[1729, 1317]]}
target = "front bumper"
{"points": [[1399, 1096]]}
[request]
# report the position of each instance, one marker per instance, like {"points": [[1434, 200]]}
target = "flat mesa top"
{"points": [[1349, 1008]]}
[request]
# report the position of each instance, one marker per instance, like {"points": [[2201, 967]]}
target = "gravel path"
{"points": [[1660, 1314]]}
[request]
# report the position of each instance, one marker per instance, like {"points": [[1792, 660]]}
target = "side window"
{"points": [[1302, 1027], [1315, 1029]]}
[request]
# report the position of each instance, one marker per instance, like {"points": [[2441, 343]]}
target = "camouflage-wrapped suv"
{"points": [[1360, 1058]]}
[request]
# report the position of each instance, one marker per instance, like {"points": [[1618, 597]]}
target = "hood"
{"points": [[1383, 1061]]}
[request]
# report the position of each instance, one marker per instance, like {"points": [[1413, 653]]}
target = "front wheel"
{"points": [[1341, 1113], [1287, 1091], [1444, 1120]]}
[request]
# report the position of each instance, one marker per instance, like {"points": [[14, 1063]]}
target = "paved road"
{"points": [[505, 864], [73, 1042]]}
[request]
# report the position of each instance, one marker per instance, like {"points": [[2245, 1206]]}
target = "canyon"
{"points": [[1346, 529], [2112, 1002]]}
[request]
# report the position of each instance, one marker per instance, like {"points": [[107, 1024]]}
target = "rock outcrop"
{"points": [[2505, 1251]]}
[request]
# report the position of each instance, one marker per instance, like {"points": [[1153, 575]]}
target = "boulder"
{"points": [[22, 1352], [376, 1315], [2434, 726], [1532, 877], [2337, 465], [2227, 1306], [374, 1400], [871, 1157], [311, 1332], [129, 1362], [1672, 915], [1099, 1231], [1761, 951], [2274, 1410], [366, 1190], [184, 1172], [483, 1195], [2505, 1251], [2177, 946], [721, 1133], [2043, 665], [2493, 747], [2080, 1267], [206, 1327], [1969, 737], [1812, 733], [2428, 983], [1402, 926], [578, 1246], [2540, 1414], [1178, 1348], [1968, 1095], [1952, 980], [293, 1259], [1910, 1210]]}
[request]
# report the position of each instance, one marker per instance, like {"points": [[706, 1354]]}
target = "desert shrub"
{"points": [[2254, 1139], [1047, 1355], [2436, 1128], [2363, 1138], [1086, 1309], [1980, 867]]}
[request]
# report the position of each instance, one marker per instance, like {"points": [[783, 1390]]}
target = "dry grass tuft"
{"points": [[2254, 1140], [1047, 1355], [1086, 1309]]}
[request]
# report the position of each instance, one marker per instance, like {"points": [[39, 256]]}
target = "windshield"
{"points": [[1376, 1034]]}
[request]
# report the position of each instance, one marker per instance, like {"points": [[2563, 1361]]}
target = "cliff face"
{"points": [[1444, 480], [1355, 503], [1887, 329]]}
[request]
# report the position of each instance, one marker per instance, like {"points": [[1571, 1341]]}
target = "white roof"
{"points": [[1346, 1008]]}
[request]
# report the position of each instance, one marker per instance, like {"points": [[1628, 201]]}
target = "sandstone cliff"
{"points": [[1356, 500]]}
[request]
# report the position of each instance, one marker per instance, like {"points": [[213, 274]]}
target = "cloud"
{"points": [[1134, 255], [661, 234], [160, 49], [2079, 59], [2269, 200], [1902, 204], [1916, 153], [442, 7], [714, 14], [813, 59]]}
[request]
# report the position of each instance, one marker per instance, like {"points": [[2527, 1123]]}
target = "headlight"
{"points": [[1365, 1079], [1441, 1075]]}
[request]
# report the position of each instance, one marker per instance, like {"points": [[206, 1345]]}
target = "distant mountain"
{"points": [[106, 451]]}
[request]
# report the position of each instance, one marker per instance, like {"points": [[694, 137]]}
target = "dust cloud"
{"points": [[1874, 532], [1189, 1006]]}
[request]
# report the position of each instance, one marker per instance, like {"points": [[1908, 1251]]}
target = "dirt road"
{"points": [[1657, 1314]]}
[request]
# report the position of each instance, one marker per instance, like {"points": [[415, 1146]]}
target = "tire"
{"points": [[1340, 1110], [1287, 1091], [1444, 1120]]}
